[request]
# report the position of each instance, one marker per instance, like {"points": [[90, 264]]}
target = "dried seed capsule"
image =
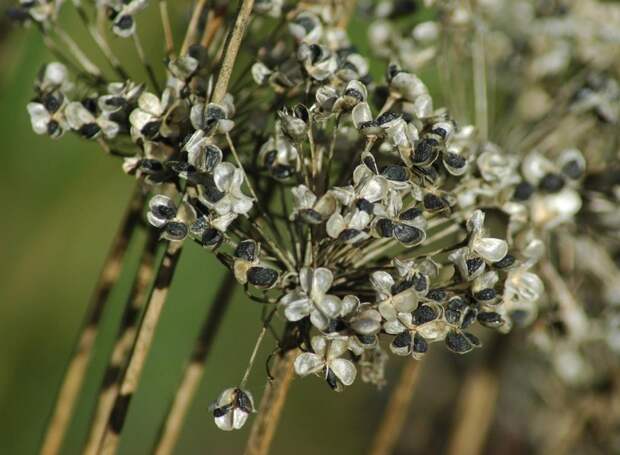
{"points": [[420, 282], [395, 172], [485, 295], [175, 230], [211, 238], [437, 294], [410, 214], [433, 203], [452, 316], [523, 191], [551, 183], [470, 317], [385, 227], [474, 264]]}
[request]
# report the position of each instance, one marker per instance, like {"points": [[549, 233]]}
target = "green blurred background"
{"points": [[61, 203]]}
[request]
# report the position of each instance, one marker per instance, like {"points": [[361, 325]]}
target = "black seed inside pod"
{"points": [[437, 294], [473, 264], [395, 173], [452, 316], [424, 314], [456, 304], [387, 117], [52, 127], [51, 103], [551, 183], [401, 286], [420, 345], [124, 22], [420, 282], [424, 150], [370, 163], [211, 237], [470, 317], [164, 211], [354, 94], [364, 205], [281, 171], [246, 250], [505, 262], [331, 379], [262, 276], [385, 227], [310, 216], [211, 193], [89, 130], [473, 339], [213, 156], [485, 294], [457, 342], [176, 230], [150, 166], [366, 339], [572, 169], [433, 202], [348, 234], [454, 161], [410, 214], [490, 318], [523, 191], [407, 234], [151, 129], [243, 401], [402, 340], [222, 411]]}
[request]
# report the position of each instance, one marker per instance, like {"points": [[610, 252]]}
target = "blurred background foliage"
{"points": [[61, 204]]}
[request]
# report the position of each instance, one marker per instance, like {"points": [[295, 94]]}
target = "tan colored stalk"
{"points": [[396, 411], [173, 423], [165, 22], [271, 405], [475, 413], [124, 341], [190, 35], [146, 333], [76, 370]]}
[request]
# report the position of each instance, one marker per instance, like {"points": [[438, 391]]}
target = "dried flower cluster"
{"points": [[363, 212]]}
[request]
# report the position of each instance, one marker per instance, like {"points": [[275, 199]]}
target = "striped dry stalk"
{"points": [[76, 370], [146, 333], [271, 405], [124, 340], [395, 413], [171, 428]]}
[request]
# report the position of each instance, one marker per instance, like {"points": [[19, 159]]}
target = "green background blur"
{"points": [[61, 202]]}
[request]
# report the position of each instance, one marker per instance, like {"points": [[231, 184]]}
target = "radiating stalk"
{"points": [[74, 375], [146, 333], [271, 405], [124, 341], [396, 411], [173, 423]]}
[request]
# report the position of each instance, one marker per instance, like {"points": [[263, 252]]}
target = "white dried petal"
{"points": [[308, 363], [344, 370]]}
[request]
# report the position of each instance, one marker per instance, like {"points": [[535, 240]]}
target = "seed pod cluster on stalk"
{"points": [[371, 219]]}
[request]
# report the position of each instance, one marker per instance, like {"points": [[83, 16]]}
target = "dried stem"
{"points": [[146, 332], [232, 49], [147, 66], [165, 22], [190, 35], [76, 370], [395, 414], [193, 372], [475, 413], [271, 405], [124, 340]]}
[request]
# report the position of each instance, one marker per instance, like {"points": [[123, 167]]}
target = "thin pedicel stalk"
{"points": [[193, 372], [146, 333], [395, 413], [165, 22], [271, 405], [76, 370], [124, 340], [165, 273]]}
